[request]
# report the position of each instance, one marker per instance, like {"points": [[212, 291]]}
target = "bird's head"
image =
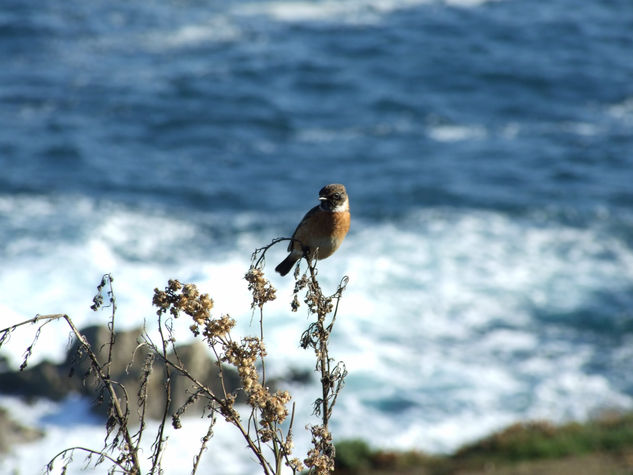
{"points": [[334, 198]]}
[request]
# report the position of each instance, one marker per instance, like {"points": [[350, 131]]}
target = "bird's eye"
{"points": [[337, 196]]}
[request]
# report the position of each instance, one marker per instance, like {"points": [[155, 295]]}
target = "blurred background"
{"points": [[487, 148]]}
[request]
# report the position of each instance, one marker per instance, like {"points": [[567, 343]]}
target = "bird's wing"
{"points": [[307, 216]]}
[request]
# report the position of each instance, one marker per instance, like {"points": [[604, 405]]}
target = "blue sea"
{"points": [[486, 145]]}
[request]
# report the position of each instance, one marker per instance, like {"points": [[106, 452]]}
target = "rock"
{"points": [[42, 380], [12, 432], [127, 368]]}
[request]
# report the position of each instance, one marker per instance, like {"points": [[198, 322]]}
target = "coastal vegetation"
{"points": [[157, 379], [603, 445], [134, 377]]}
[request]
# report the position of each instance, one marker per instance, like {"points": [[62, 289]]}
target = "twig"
{"points": [[260, 457], [203, 447], [63, 453], [263, 428], [159, 441], [120, 415]]}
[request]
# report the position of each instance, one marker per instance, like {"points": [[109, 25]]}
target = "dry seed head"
{"points": [[190, 291], [266, 435], [296, 465], [174, 285], [294, 305], [190, 301], [322, 464], [321, 455], [217, 328], [261, 288], [227, 409]]}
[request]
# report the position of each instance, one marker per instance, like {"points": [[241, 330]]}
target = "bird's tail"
{"points": [[284, 266]]}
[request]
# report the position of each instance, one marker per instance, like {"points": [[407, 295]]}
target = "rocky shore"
{"points": [[603, 445], [73, 376]]}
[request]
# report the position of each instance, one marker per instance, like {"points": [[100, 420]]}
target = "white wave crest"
{"points": [[456, 133], [348, 11], [622, 110], [439, 326], [217, 30]]}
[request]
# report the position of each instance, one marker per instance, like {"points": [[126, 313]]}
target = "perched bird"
{"points": [[322, 229]]}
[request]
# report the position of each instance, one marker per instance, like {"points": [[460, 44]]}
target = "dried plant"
{"points": [[268, 409]]}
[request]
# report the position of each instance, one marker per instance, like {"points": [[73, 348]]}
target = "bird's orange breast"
{"points": [[324, 230]]}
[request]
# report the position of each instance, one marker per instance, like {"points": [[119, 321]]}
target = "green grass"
{"points": [[518, 443], [354, 454], [543, 440]]}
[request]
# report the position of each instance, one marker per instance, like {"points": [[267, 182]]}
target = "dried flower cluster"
{"points": [[318, 303], [261, 288], [271, 406], [296, 465], [262, 429], [321, 455], [270, 409], [187, 298], [300, 283]]}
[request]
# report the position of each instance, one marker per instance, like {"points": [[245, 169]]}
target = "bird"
{"points": [[322, 229]]}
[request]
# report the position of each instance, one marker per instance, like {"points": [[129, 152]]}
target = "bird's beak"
{"points": [[322, 198]]}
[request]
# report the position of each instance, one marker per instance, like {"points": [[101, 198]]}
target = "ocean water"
{"points": [[487, 147]]}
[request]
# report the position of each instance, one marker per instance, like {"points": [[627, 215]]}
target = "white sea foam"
{"points": [[622, 110], [361, 11], [581, 128], [455, 133], [346, 11], [468, 3], [181, 446], [439, 326], [218, 29], [449, 133]]}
